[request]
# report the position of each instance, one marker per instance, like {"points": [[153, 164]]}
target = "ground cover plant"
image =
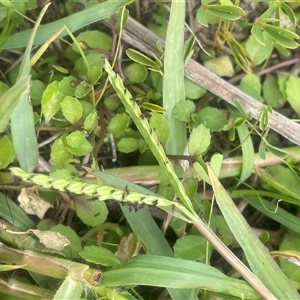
{"points": [[143, 158]]}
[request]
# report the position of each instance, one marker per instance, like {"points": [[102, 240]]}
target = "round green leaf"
{"points": [[93, 59], [36, 91], [183, 110], [72, 109], [91, 121], [112, 103], [199, 140], [258, 52], [67, 86], [118, 124], [90, 213], [82, 89], [211, 118], [59, 153], [94, 74], [136, 73], [94, 39], [77, 144], [128, 145], [271, 92], [193, 91], [51, 100]]}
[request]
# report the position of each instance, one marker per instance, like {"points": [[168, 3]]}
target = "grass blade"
{"points": [[74, 22], [22, 121], [10, 100], [174, 272], [246, 145], [259, 259], [173, 79]]}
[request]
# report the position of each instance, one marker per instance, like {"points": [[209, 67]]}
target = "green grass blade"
{"points": [[259, 259], [69, 289], [10, 100], [12, 213], [173, 79], [73, 22], [275, 213], [22, 121], [246, 145], [174, 272]]}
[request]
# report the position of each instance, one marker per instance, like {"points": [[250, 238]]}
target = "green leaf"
{"points": [[142, 59], [282, 179], [290, 245], [71, 109], [193, 90], [77, 144], [250, 84], [191, 247], [60, 155], [246, 145], [22, 120], [70, 289], [201, 16], [293, 92], [95, 63], [289, 12], [212, 118], [100, 256], [152, 270], [221, 66], [282, 36], [183, 110], [73, 22], [258, 52], [90, 213], [82, 89], [67, 86], [36, 91], [258, 33], [94, 74], [271, 92], [128, 145], [216, 163], [225, 12], [91, 121], [118, 124], [94, 39], [136, 73], [258, 257], [12, 213], [7, 151], [276, 151], [199, 140], [51, 101], [159, 123], [10, 98]]}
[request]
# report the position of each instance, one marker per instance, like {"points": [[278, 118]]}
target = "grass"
{"points": [[83, 248]]}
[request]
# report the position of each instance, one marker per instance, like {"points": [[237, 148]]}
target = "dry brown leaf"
{"points": [[32, 203]]}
